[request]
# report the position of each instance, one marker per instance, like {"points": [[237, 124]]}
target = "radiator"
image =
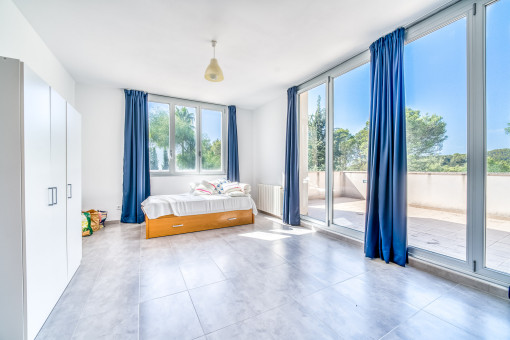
{"points": [[270, 199]]}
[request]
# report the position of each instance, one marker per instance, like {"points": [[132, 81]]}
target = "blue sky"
{"points": [[498, 74], [211, 124], [436, 82]]}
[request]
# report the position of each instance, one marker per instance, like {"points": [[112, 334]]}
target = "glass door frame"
{"points": [[309, 85], [327, 78], [475, 13]]}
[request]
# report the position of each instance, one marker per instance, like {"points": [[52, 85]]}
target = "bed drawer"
{"points": [[172, 225]]}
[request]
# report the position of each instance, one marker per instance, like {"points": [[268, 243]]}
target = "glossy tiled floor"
{"points": [[260, 282]]}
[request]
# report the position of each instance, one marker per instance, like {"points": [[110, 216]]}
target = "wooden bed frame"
{"points": [[173, 225]]}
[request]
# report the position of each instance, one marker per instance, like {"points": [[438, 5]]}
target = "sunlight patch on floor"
{"points": [[293, 231], [264, 236]]}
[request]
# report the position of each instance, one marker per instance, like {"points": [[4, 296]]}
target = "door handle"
{"points": [[50, 196], [70, 189], [56, 196]]}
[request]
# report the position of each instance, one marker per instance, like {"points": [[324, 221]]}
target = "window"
{"points": [[436, 122], [211, 140], [186, 137], [351, 105], [159, 134]]}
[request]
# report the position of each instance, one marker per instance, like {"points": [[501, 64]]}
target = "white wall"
{"points": [[102, 109], [269, 133], [19, 40]]}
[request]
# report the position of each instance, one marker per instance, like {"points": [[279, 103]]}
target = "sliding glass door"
{"points": [[312, 162], [457, 83], [351, 110], [436, 123], [497, 192]]}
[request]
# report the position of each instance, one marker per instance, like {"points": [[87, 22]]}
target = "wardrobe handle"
{"points": [[50, 196], [56, 195], [70, 188]]}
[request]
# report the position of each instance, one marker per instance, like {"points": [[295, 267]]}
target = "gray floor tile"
{"points": [[481, 314], [293, 281], [117, 322], [289, 321], [201, 273], [161, 281], [424, 326], [322, 270], [169, 317], [220, 304]]}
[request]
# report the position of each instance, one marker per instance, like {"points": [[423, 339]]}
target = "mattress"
{"points": [[188, 204]]}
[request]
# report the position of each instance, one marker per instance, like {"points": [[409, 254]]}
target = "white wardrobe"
{"points": [[40, 200]]}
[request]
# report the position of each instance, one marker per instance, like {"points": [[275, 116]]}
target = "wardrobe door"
{"points": [[74, 245], [58, 182], [11, 240], [41, 245]]}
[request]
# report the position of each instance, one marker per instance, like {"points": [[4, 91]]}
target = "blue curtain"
{"points": [[136, 187], [386, 217], [291, 193], [233, 156]]}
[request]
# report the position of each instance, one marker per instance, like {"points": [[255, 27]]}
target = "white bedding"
{"points": [[187, 204]]}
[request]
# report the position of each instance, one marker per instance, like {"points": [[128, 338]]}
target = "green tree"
{"points": [[185, 143], [425, 133], [211, 153], [350, 152], [425, 137], [360, 154], [507, 129], [317, 138], [153, 159], [159, 127], [498, 160], [159, 123], [343, 148]]}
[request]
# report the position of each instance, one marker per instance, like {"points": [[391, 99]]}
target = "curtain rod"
{"points": [[189, 100], [412, 24]]}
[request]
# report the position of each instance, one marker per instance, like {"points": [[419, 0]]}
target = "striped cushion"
{"points": [[202, 190]]}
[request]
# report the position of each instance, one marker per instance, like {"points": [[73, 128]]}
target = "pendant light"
{"points": [[213, 71]]}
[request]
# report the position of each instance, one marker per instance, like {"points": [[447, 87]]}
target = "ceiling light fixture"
{"points": [[213, 71]]}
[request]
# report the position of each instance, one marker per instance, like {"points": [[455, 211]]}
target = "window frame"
{"points": [[199, 106]]}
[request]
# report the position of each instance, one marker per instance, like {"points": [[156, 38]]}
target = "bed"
{"points": [[178, 214]]}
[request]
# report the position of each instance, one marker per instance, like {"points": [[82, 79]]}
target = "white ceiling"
{"points": [[163, 46]]}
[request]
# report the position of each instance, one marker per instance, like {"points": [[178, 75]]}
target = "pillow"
{"points": [[231, 187], [202, 190], [210, 185], [222, 182], [192, 187], [237, 194], [245, 187]]}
